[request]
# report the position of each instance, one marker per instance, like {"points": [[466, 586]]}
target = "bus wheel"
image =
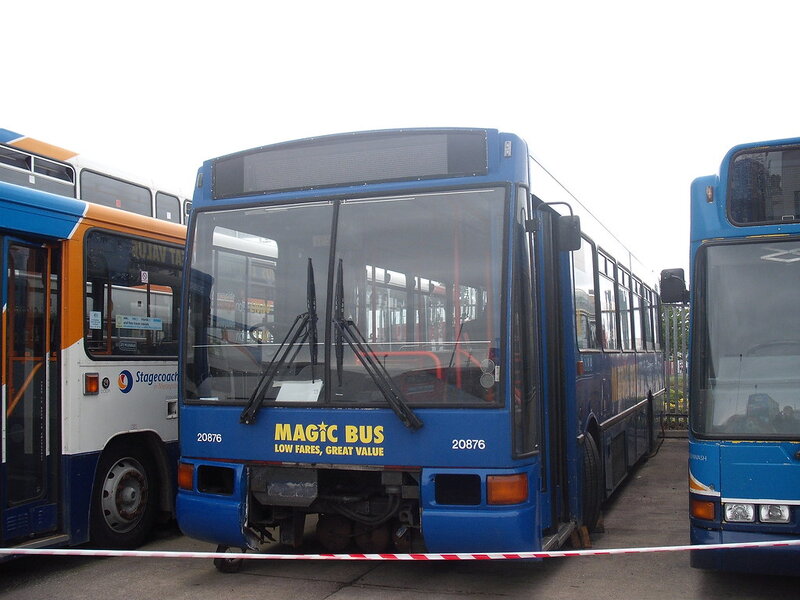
{"points": [[228, 565], [592, 482], [123, 497]]}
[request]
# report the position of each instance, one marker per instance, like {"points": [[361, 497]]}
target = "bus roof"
{"points": [[766, 143], [17, 140]]}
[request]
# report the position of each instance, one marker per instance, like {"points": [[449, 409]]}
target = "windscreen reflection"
{"points": [[747, 342], [249, 288], [414, 287]]}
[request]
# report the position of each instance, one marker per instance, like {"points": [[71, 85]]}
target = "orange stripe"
{"points": [[698, 487], [15, 400], [32, 145]]}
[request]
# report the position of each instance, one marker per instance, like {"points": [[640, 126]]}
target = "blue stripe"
{"points": [[25, 210], [8, 136]]}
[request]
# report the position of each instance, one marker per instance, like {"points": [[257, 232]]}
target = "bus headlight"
{"points": [[739, 512], [773, 513]]}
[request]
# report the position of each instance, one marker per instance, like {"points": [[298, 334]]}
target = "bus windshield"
{"points": [[746, 370], [413, 288]]}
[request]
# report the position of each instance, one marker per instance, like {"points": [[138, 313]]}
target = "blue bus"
{"points": [[744, 359], [391, 339], [88, 366]]}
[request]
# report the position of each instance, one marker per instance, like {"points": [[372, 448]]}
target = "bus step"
{"points": [[560, 537]]}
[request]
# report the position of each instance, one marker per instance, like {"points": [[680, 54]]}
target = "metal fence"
{"points": [[675, 321]]}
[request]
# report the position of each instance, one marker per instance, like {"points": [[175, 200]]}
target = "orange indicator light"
{"points": [[507, 489]]}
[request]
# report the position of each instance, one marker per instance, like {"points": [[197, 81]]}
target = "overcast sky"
{"points": [[624, 102]]}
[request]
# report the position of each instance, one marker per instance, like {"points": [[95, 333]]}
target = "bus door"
{"points": [[551, 274], [30, 408]]}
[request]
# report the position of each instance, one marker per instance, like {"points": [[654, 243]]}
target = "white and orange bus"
{"points": [[33, 163], [88, 355]]}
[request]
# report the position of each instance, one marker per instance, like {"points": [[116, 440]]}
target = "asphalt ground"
{"points": [[650, 509]]}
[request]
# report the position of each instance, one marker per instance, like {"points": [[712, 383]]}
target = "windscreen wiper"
{"points": [[304, 328], [347, 331]]}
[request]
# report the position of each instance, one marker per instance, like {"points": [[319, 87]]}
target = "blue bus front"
{"points": [[744, 464], [360, 354]]}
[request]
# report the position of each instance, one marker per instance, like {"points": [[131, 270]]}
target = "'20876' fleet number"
{"points": [[469, 444], [210, 437]]}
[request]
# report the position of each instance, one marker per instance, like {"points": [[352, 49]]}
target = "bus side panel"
{"points": [[78, 478], [134, 396], [613, 382]]}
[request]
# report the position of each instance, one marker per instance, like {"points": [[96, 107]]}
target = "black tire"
{"points": [[124, 497], [228, 565], [592, 483]]}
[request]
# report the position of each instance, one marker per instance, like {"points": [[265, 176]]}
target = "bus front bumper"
{"points": [[766, 560]]}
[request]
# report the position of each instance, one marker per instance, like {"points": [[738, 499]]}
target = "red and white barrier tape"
{"points": [[412, 557]]}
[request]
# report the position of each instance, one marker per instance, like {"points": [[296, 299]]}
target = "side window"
{"points": [[624, 299], [168, 207], [108, 191], [132, 296], [608, 303], [585, 296], [636, 310], [647, 318], [27, 170], [655, 319]]}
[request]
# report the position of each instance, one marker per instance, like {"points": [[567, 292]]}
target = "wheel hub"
{"points": [[125, 495]]}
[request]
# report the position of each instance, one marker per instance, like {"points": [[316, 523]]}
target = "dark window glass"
{"points": [[655, 319], [608, 308], [43, 166], [585, 296], [23, 169], [26, 344], [647, 320], [421, 288], [637, 314], [105, 190], [764, 186], [132, 296], [14, 158], [624, 299], [746, 341], [168, 207]]}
